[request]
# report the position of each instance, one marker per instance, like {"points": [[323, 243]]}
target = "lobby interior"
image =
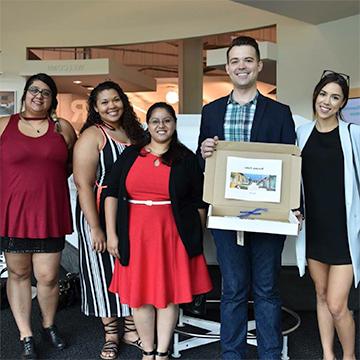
{"points": [[173, 50]]}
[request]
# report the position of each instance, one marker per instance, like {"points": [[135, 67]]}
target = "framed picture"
{"points": [[253, 179], [351, 111], [7, 103]]}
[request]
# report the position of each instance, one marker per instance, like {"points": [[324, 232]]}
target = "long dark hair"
{"points": [[128, 120], [176, 151], [332, 77], [49, 81]]}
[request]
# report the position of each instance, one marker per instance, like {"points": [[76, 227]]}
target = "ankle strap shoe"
{"points": [[52, 335], [28, 347], [162, 354], [149, 353]]}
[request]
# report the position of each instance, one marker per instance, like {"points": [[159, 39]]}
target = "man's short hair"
{"points": [[244, 40]]}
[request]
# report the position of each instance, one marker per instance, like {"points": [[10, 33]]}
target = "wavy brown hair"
{"points": [[128, 120]]}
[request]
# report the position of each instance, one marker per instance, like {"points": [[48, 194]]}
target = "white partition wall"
{"points": [[188, 126]]}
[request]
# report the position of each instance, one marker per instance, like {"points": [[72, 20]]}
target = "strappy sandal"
{"points": [[149, 353], [162, 354], [129, 326], [110, 347]]}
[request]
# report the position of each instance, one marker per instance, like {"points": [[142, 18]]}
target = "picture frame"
{"points": [[253, 179], [7, 103]]}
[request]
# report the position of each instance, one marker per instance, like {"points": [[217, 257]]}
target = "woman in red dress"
{"points": [[35, 149], [154, 221]]}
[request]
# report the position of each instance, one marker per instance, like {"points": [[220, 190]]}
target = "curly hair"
{"points": [[128, 120]]}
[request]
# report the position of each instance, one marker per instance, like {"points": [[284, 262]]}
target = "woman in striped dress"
{"points": [[111, 125]]}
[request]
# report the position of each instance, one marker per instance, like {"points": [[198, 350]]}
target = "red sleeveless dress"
{"points": [[34, 201], [159, 271]]}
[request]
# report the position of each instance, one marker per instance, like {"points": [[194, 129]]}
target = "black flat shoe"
{"points": [[28, 347], [52, 335]]}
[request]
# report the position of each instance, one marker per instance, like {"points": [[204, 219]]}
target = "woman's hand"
{"points": [[110, 206], [113, 246], [98, 239]]}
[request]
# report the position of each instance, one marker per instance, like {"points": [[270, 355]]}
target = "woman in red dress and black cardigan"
{"points": [[154, 220]]}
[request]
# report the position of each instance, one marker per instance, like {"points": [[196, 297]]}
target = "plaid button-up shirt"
{"points": [[239, 119]]}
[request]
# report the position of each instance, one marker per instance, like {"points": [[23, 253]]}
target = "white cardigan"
{"points": [[352, 194]]}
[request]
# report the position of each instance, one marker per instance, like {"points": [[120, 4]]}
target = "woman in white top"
{"points": [[330, 238]]}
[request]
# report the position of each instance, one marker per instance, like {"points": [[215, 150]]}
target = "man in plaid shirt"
{"points": [[246, 115]]}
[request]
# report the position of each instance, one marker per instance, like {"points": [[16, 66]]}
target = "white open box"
{"points": [[224, 213]]}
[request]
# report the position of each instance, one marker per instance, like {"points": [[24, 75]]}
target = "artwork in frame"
{"points": [[7, 103], [253, 179]]}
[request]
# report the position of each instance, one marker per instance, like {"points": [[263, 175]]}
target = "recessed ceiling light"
{"points": [[172, 97], [90, 88], [77, 81]]}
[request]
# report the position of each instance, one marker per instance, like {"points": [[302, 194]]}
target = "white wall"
{"points": [[304, 51]]}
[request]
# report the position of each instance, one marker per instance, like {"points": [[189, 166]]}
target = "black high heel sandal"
{"points": [[110, 346], [129, 326]]}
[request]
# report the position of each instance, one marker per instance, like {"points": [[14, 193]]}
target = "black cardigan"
{"points": [[185, 188]]}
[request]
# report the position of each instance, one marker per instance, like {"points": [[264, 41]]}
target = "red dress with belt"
{"points": [[159, 271]]}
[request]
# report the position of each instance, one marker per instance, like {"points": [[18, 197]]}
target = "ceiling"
{"points": [[160, 60], [313, 12], [157, 60]]}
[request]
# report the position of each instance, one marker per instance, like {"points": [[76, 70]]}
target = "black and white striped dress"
{"points": [[96, 269]]}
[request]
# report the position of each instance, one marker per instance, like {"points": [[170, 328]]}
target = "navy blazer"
{"points": [[273, 123]]}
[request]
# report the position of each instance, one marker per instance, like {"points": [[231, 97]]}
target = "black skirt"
{"points": [[26, 245]]}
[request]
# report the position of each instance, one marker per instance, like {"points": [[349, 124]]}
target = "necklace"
{"points": [[38, 130], [34, 118]]}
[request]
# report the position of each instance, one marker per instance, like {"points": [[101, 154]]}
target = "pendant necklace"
{"points": [[26, 121]]}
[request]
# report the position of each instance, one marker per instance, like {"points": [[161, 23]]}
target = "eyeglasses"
{"points": [[156, 122], [33, 90], [344, 76]]}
